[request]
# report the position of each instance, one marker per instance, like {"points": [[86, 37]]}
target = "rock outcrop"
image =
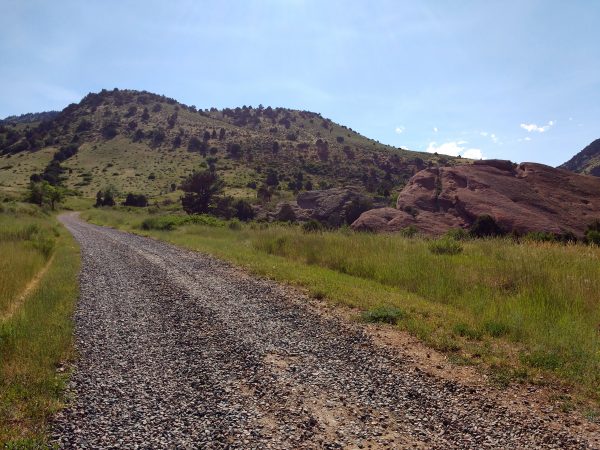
{"points": [[521, 198], [329, 206]]}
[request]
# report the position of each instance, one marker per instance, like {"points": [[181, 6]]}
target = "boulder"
{"points": [[521, 198]]}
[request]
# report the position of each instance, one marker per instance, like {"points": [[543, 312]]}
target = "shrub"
{"points": [[592, 234], [243, 210], [445, 246], [458, 234], [464, 330], [409, 231], [234, 224], [138, 200], [495, 329], [312, 226], [593, 237], [486, 226], [200, 188], [383, 314], [163, 223]]}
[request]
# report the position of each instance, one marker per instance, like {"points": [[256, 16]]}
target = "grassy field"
{"points": [[522, 310], [40, 259]]}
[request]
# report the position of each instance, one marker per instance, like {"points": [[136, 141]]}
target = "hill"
{"points": [[30, 118], [141, 142], [587, 161]]}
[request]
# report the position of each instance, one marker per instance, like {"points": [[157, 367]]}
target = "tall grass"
{"points": [[36, 338], [530, 306]]}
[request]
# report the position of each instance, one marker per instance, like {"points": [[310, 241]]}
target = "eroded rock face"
{"points": [[327, 206], [522, 198]]}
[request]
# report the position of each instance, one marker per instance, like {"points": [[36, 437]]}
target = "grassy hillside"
{"points": [[142, 142], [587, 161], [525, 311]]}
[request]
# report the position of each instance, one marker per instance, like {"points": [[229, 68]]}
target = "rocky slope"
{"points": [[587, 161], [522, 198], [143, 142]]}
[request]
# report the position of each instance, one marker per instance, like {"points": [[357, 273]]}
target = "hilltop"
{"points": [[587, 161], [141, 142]]}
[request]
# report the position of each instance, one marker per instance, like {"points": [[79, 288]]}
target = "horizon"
{"points": [[507, 80]]}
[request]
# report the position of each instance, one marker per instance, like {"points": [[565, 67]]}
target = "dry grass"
{"points": [[37, 338]]}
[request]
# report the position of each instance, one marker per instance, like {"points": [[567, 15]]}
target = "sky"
{"points": [[516, 80]]}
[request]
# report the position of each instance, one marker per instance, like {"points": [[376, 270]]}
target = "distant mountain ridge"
{"points": [[587, 161], [31, 117], [143, 142]]}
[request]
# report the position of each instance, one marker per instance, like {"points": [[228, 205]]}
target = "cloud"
{"points": [[399, 130], [435, 129], [529, 127], [472, 153], [455, 148], [492, 136]]}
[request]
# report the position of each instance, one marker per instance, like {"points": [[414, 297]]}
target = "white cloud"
{"points": [[492, 136], [455, 148], [399, 129], [540, 129], [435, 129], [472, 153], [527, 138]]}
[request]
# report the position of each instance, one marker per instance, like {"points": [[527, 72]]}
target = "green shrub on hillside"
{"points": [[383, 314]]}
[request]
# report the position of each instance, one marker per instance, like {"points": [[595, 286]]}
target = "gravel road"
{"points": [[180, 350]]}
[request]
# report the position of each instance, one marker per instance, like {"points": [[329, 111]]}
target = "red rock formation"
{"points": [[523, 198]]}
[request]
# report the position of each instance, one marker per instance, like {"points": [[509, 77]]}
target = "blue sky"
{"points": [[517, 80]]}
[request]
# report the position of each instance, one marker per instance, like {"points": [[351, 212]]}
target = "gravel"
{"points": [[180, 350]]}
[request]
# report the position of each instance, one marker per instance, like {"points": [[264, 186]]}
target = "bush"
{"points": [[383, 314], [464, 330], [163, 223], [234, 224], [445, 246], [409, 231], [243, 210], [458, 234], [486, 226], [138, 200], [312, 226], [593, 237], [496, 329]]}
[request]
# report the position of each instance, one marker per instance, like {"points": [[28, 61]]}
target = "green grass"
{"points": [[37, 336], [532, 307]]}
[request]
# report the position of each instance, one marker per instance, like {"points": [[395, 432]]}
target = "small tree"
{"points": [[272, 178], [243, 210], [486, 226], [54, 194], [43, 192], [139, 200], [200, 189], [264, 193]]}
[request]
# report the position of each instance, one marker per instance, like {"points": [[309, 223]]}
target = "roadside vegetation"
{"points": [[524, 310], [38, 289]]}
